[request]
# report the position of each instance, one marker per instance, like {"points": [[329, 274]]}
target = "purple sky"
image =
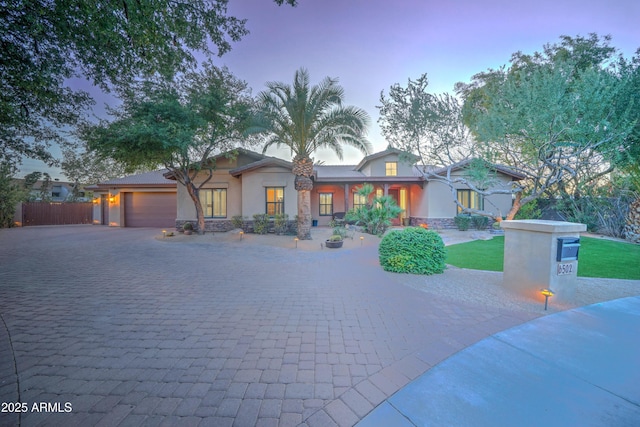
{"points": [[372, 44]]}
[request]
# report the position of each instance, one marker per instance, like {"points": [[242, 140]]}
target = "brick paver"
{"points": [[131, 330]]}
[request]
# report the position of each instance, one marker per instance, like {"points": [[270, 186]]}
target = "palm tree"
{"points": [[304, 119]]}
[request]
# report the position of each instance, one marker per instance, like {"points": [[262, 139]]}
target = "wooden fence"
{"points": [[43, 213]]}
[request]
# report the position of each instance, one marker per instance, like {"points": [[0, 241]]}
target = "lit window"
{"points": [[275, 200], [214, 202], [326, 204], [359, 200], [470, 200], [391, 169]]}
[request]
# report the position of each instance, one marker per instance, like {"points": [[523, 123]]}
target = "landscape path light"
{"points": [[547, 293]]}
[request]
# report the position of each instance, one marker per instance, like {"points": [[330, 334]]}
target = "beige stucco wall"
{"points": [[254, 193], [530, 263], [438, 202], [418, 202], [97, 207], [338, 201], [220, 179], [377, 167]]}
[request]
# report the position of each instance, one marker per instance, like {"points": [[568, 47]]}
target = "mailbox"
{"points": [[568, 248]]}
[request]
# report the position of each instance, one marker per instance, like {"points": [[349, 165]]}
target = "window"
{"points": [[214, 202], [470, 199], [326, 204], [275, 200], [359, 201], [391, 169]]}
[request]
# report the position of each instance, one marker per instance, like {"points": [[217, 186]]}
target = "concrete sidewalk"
{"points": [[575, 368]]}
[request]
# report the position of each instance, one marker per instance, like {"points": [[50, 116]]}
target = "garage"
{"points": [[146, 209]]}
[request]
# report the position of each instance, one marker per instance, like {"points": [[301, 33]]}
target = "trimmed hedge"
{"points": [[412, 250]]}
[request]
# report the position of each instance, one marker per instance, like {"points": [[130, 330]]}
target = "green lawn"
{"points": [[598, 257]]}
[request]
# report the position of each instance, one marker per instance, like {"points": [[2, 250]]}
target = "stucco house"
{"points": [[252, 183]]}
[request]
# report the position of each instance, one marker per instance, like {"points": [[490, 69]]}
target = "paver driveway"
{"points": [[130, 330]]}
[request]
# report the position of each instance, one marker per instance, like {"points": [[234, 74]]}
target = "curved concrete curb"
{"points": [[579, 367]]}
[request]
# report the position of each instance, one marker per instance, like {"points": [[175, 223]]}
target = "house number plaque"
{"points": [[564, 269]]}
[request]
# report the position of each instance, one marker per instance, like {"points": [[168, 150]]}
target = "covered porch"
{"points": [[329, 198]]}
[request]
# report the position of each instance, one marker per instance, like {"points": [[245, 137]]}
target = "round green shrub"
{"points": [[412, 250]]}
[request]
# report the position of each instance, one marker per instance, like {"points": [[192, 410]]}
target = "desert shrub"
{"points": [[412, 250], [187, 226], [260, 223], [462, 222], [375, 217], [280, 223], [237, 221], [480, 222], [604, 215]]}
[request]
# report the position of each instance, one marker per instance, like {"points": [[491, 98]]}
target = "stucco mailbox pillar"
{"points": [[541, 254]]}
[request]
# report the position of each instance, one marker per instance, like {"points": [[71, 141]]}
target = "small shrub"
{"points": [[462, 222], [335, 238], [237, 221], [187, 226], [412, 250], [260, 223], [280, 223], [480, 222]]}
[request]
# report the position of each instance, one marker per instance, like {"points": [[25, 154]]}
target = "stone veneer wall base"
{"points": [[433, 223], [440, 223]]}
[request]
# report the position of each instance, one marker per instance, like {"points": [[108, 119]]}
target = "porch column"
{"points": [[346, 197], [386, 189]]}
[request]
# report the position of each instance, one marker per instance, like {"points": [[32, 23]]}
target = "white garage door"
{"points": [[150, 209]]}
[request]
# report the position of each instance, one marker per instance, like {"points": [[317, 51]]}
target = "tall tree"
{"points": [[11, 194], [43, 43], [557, 117], [179, 124], [431, 126], [305, 118]]}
